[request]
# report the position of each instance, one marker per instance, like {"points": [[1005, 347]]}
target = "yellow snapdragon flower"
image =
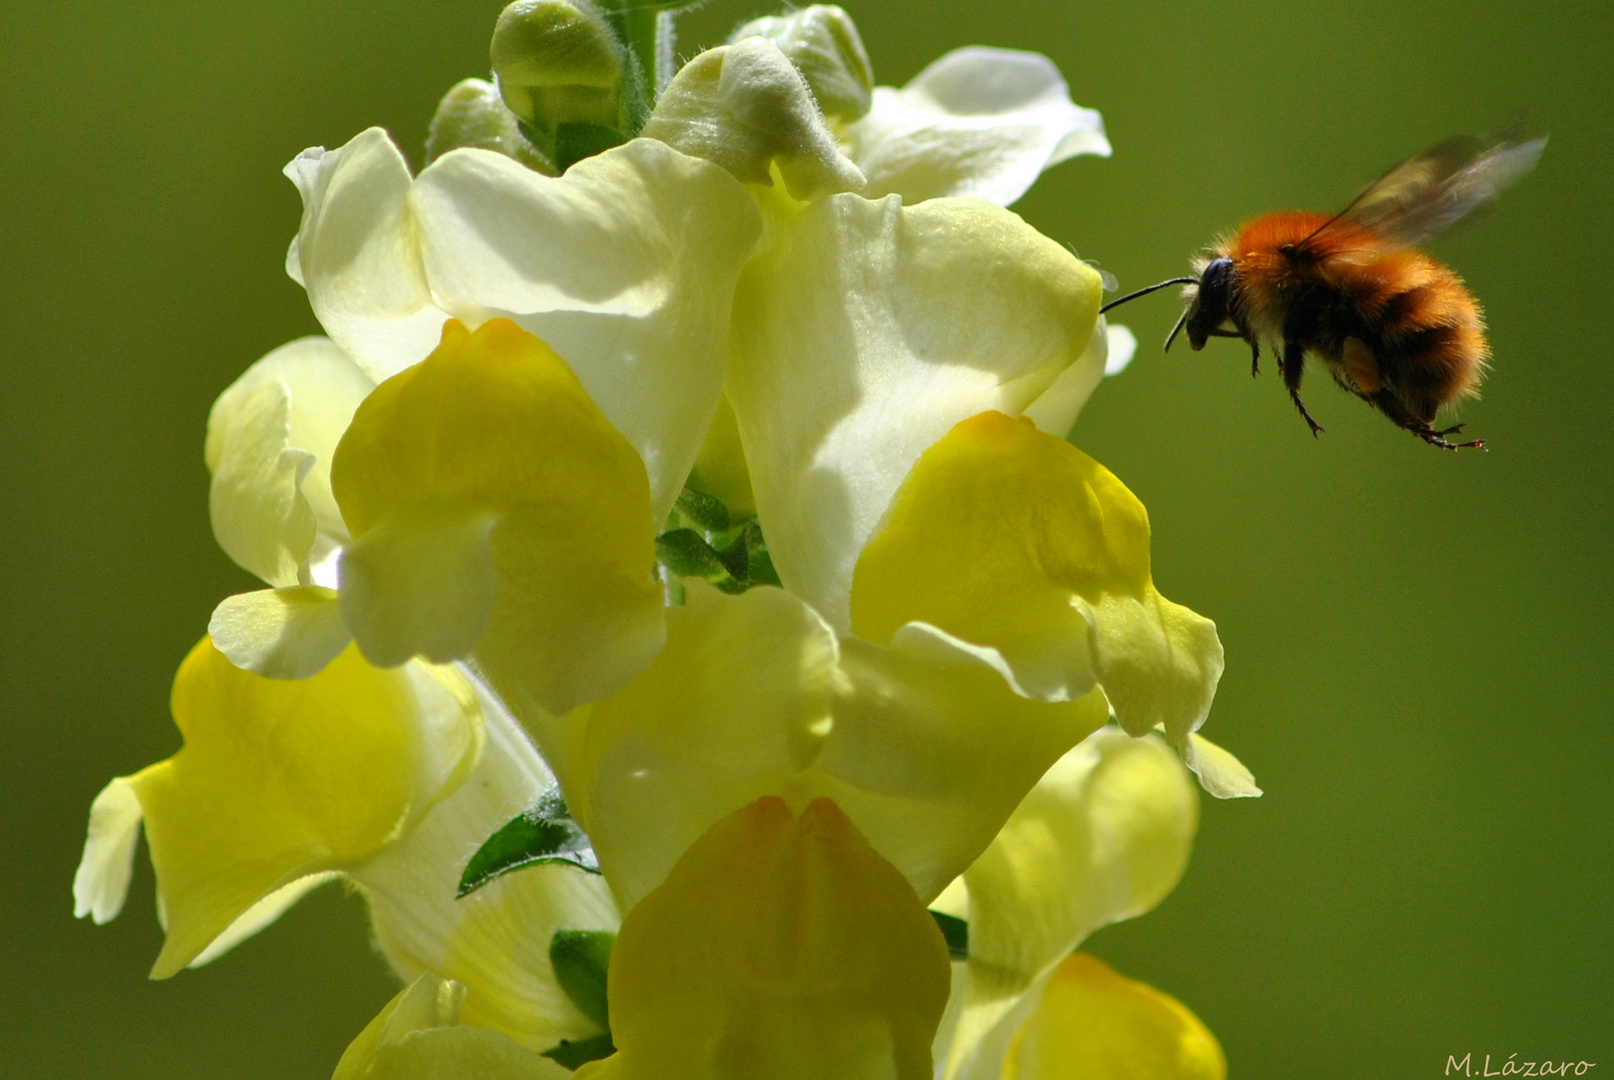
{"points": [[457, 501]]}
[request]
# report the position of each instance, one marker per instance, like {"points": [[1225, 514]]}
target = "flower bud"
{"points": [[823, 43], [472, 114], [558, 62], [746, 107]]}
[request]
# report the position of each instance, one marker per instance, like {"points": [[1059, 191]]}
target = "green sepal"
{"points": [[704, 511], [687, 554], [759, 564], [956, 932], [581, 959], [574, 142], [573, 1054], [544, 833]]}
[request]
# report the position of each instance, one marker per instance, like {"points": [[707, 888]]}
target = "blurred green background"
{"points": [[1418, 642]]}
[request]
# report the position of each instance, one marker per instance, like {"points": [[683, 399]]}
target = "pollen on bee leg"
{"points": [[1362, 366]]}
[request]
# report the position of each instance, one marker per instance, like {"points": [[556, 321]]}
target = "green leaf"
{"points": [[575, 1053], [581, 959], [545, 833], [956, 932]]}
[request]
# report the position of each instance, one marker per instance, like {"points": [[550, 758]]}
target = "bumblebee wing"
{"points": [[1432, 191]]}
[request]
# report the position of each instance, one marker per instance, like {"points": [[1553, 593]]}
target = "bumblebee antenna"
{"points": [[1175, 330], [1118, 301]]}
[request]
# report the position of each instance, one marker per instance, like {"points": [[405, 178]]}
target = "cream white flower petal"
{"points": [[496, 940], [625, 266], [979, 121], [1122, 345], [288, 633], [101, 883], [1056, 410], [260, 517], [270, 437], [862, 335], [358, 255], [923, 744], [1220, 773], [1104, 836]]}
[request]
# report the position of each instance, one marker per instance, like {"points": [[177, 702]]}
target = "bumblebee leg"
{"points": [[1293, 365], [1399, 415], [1255, 358]]}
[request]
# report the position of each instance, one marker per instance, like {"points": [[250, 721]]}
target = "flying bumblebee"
{"points": [[1393, 326]]}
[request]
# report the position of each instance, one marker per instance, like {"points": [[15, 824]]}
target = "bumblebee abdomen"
{"points": [[1423, 327]]}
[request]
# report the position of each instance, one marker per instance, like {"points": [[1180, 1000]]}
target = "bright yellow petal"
{"points": [[778, 949], [1009, 537], [1104, 836], [417, 1036], [278, 780], [494, 509], [1093, 1024], [922, 743]]}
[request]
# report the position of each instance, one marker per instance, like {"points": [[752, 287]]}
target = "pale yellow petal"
{"points": [[319, 386], [1093, 1024], [779, 948], [1056, 409], [288, 633], [260, 517], [1219, 772]]}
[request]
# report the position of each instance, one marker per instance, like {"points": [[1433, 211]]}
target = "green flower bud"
{"points": [[473, 114], [558, 62], [823, 43]]}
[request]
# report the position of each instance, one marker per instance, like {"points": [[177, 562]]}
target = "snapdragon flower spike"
{"points": [[495, 512]]}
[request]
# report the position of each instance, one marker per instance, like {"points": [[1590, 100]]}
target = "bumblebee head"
{"points": [[1209, 301]]}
